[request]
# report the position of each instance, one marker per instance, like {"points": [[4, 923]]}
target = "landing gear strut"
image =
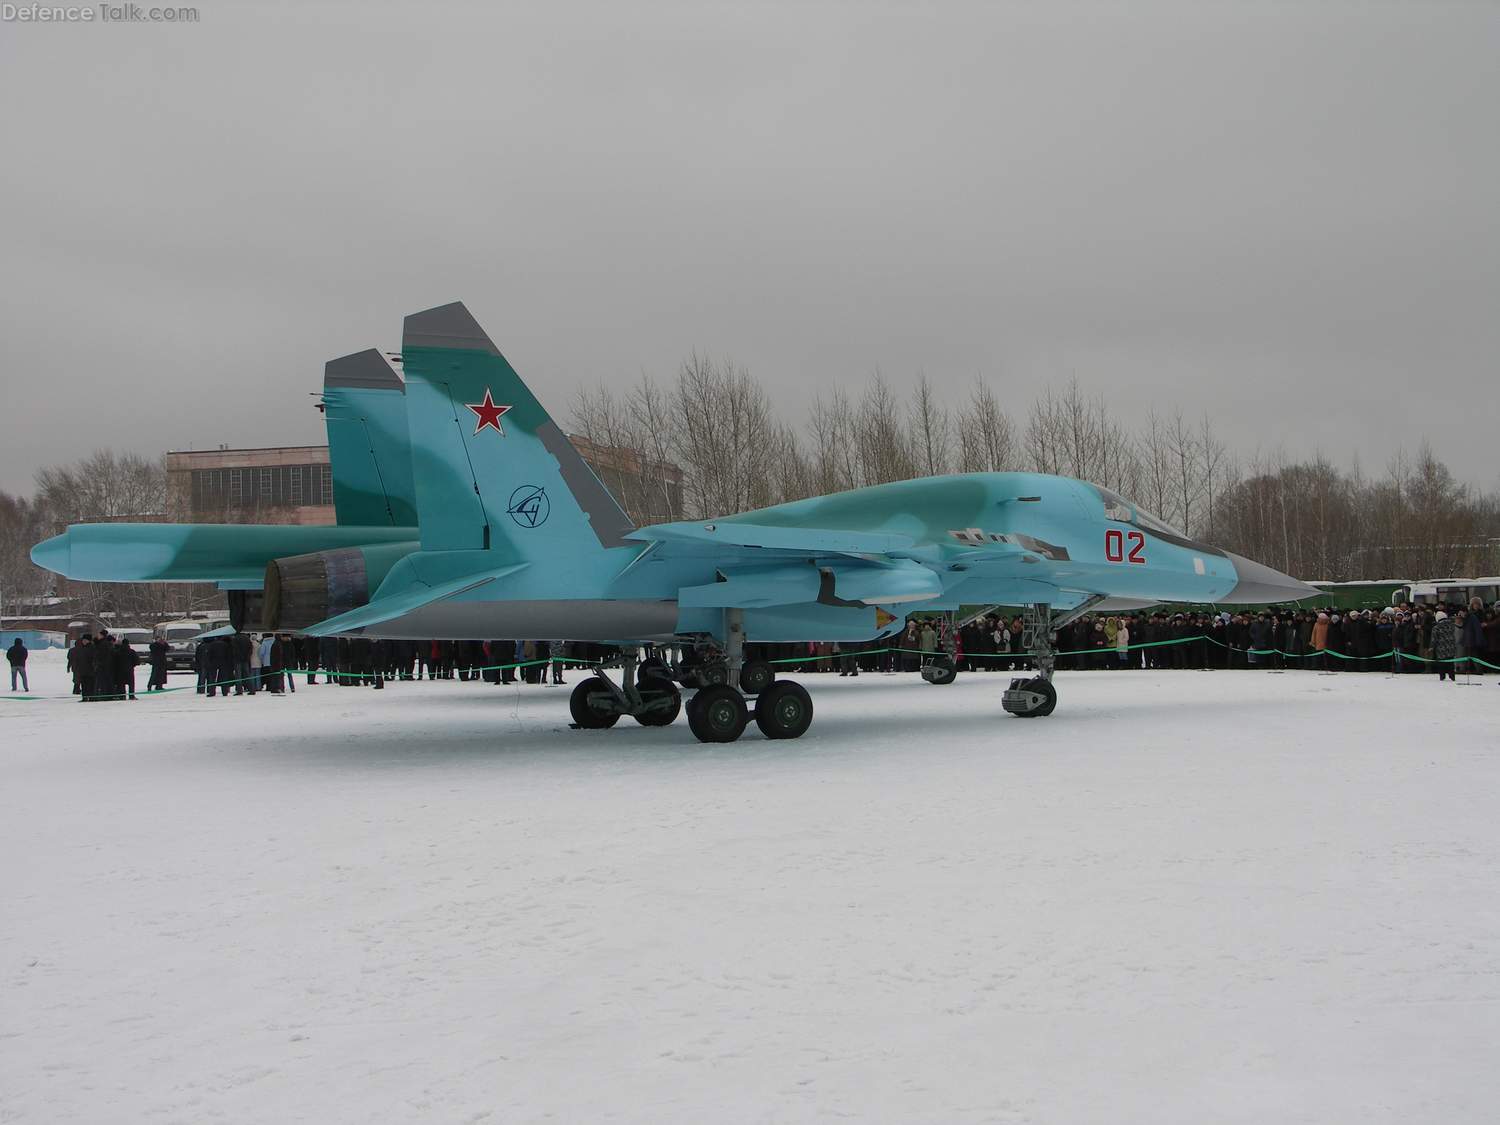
{"points": [[719, 713], [645, 692], [942, 667], [1036, 697]]}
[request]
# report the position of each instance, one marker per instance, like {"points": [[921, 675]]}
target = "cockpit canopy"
{"points": [[1116, 507]]}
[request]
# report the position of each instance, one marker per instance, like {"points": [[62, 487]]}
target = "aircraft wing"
{"points": [[800, 540], [798, 564]]}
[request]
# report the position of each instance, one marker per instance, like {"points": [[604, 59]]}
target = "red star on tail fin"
{"points": [[487, 413]]}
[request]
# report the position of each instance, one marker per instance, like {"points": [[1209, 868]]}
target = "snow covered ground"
{"points": [[1186, 897]]}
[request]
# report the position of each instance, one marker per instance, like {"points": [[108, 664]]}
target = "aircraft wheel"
{"points": [[653, 669], [713, 674], [718, 714], [592, 705], [756, 676], [662, 715], [940, 670], [1039, 687], [784, 710]]}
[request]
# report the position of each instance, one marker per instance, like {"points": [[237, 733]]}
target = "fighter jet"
{"points": [[480, 519]]}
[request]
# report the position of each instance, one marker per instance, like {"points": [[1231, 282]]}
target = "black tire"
{"points": [[663, 716], [718, 714], [713, 674], [653, 669], [1041, 687], [756, 676], [584, 704], [784, 710], [940, 670]]}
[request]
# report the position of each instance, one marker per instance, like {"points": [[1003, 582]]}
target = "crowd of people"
{"points": [[1447, 640], [247, 663], [102, 666]]}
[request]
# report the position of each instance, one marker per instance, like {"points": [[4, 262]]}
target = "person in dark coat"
{"points": [[125, 661], [239, 646], [1338, 642], [1470, 638], [328, 657], [157, 656], [15, 656], [218, 659], [312, 651], [379, 656], [81, 665], [104, 666]]}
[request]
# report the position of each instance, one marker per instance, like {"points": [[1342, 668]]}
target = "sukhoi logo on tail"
{"points": [[529, 505]]}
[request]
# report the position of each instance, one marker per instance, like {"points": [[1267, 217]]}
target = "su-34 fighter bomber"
{"points": [[464, 511]]}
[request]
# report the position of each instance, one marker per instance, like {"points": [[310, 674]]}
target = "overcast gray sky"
{"points": [[1282, 213]]}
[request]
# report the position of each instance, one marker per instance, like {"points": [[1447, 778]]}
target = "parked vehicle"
{"points": [[182, 646]]}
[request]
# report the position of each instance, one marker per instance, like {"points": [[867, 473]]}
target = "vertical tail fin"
{"points": [[364, 409], [492, 469]]}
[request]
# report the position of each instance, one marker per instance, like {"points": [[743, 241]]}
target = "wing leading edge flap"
{"points": [[391, 606], [811, 540]]}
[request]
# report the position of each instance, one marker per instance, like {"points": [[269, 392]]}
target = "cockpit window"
{"points": [[1146, 520], [1116, 507]]}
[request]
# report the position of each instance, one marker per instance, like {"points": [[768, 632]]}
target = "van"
{"points": [[182, 644]]}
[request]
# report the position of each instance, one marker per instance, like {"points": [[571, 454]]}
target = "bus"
{"points": [[1448, 591]]}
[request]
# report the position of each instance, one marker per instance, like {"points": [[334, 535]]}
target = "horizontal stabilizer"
{"points": [[808, 540], [232, 554], [398, 605]]}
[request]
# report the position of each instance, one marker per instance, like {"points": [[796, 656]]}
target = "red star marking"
{"points": [[487, 413]]}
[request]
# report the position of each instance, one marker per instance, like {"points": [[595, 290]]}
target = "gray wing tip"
{"points": [[366, 369], [446, 326]]}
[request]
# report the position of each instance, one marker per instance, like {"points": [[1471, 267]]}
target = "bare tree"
{"points": [[930, 431], [1156, 465], [986, 438], [1215, 462], [1182, 447], [1043, 439], [104, 486], [725, 429], [22, 524], [884, 452]]}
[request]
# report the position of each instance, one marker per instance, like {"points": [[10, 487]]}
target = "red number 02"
{"points": [[1114, 546]]}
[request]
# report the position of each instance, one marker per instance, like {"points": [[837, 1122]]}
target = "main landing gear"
{"points": [[718, 710], [649, 697]]}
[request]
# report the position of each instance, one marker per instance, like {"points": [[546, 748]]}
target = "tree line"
{"points": [[1305, 516], [102, 487]]}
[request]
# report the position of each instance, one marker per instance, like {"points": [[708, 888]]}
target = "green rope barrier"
{"points": [[860, 654]]}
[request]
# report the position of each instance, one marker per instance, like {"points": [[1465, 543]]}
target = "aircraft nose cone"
{"points": [[52, 554], [1260, 585]]}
